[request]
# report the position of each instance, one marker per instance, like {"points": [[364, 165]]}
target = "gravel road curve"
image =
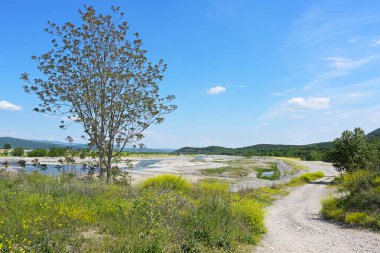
{"points": [[295, 225]]}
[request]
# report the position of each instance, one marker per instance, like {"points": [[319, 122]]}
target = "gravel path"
{"points": [[295, 225]]}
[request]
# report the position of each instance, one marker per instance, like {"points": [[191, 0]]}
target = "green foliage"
{"points": [[56, 152], [266, 195], [311, 152], [7, 146], [352, 151], [306, 152], [331, 210], [360, 202], [39, 213], [39, 152], [113, 89], [306, 178], [167, 182], [214, 187], [18, 152]]}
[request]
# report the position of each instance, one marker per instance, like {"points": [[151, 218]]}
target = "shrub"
{"points": [[306, 178], [331, 210], [359, 218], [360, 202], [309, 177], [360, 189], [251, 211], [167, 182], [18, 152], [39, 152]]}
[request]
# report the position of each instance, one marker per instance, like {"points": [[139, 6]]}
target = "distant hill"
{"points": [[374, 134], [315, 151], [149, 150], [28, 144], [33, 144], [308, 152]]}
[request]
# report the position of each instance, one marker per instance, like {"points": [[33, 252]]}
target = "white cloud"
{"points": [[299, 103], [341, 65], [7, 106], [216, 90]]}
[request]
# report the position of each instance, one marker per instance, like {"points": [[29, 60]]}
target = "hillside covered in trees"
{"points": [[312, 152]]}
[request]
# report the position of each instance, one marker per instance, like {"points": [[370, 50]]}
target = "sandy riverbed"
{"points": [[187, 166]]}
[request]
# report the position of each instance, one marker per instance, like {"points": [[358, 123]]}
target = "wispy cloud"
{"points": [[355, 95], [342, 65], [299, 103], [216, 90], [7, 106]]}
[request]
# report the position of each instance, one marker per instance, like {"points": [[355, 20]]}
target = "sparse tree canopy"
{"points": [[98, 75], [7, 146], [352, 151]]}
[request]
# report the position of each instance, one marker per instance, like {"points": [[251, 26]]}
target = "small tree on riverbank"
{"points": [[352, 151], [98, 75]]}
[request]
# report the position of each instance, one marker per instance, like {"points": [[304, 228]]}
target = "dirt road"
{"points": [[295, 225]]}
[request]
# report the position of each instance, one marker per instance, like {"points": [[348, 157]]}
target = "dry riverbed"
{"points": [[237, 170]]}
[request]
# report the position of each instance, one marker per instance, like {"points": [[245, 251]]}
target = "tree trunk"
{"points": [[109, 168], [102, 169]]}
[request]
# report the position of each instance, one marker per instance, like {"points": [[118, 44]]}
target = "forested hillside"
{"points": [[316, 151]]}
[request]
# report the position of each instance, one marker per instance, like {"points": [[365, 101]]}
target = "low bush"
{"points": [[306, 178], [167, 182], [359, 201]]}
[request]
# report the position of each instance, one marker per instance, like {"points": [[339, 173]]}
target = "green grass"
{"points": [[306, 178], [39, 213], [359, 205], [273, 168], [267, 195]]}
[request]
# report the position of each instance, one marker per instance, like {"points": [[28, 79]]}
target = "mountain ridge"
{"points": [[45, 144]]}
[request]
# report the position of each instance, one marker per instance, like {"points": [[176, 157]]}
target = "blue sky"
{"points": [[244, 71]]}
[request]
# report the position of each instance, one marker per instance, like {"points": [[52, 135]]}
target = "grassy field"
{"points": [[165, 214]]}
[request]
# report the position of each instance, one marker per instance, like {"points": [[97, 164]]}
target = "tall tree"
{"points": [[352, 151], [7, 146], [98, 76]]}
